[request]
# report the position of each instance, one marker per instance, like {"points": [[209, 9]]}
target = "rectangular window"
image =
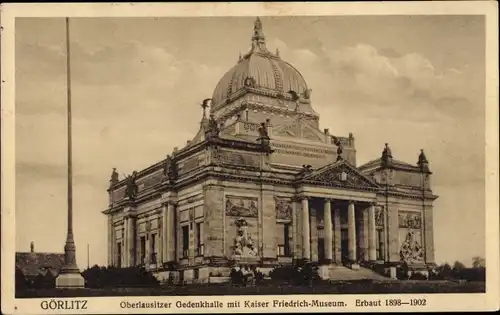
{"points": [[119, 254], [143, 250], [286, 231], [199, 239], [153, 249], [380, 245], [185, 241]]}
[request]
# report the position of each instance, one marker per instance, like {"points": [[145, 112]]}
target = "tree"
{"points": [[458, 266], [478, 262], [445, 271]]}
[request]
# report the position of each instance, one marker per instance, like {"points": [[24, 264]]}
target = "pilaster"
{"points": [[429, 235], [268, 223], [306, 241], [372, 239], [214, 223]]}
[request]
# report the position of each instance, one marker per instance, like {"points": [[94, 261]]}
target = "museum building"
{"points": [[261, 184]]}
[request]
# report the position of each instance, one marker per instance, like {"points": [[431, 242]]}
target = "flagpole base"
{"points": [[70, 280]]}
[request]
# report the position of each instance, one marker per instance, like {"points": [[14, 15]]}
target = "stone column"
{"points": [[328, 229], [170, 228], [306, 231], [337, 243], [313, 231], [372, 238], [351, 227], [164, 233]]}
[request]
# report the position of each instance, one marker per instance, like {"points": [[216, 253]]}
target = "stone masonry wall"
{"points": [[214, 220]]}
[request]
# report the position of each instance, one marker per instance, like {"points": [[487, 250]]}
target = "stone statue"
{"points": [[340, 148], [132, 188], [114, 177], [243, 243], [169, 169], [213, 128], [411, 251], [263, 131], [249, 82], [387, 154], [306, 169], [307, 94]]}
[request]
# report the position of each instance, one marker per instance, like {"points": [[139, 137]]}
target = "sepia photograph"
{"points": [[249, 155]]}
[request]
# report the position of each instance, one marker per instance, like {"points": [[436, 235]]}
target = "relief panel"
{"points": [[411, 248], [239, 206], [283, 208], [243, 237]]}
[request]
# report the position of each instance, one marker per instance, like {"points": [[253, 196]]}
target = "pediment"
{"points": [[312, 134], [286, 130], [299, 129], [340, 174]]}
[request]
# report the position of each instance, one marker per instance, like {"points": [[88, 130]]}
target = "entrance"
{"points": [[344, 245], [321, 249]]}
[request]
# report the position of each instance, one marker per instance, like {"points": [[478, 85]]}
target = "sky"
{"points": [[416, 82]]}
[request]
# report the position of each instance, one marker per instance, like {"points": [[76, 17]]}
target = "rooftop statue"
{"points": [[340, 147], [132, 188]]}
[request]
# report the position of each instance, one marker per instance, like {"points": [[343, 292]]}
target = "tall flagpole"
{"points": [[69, 276]]}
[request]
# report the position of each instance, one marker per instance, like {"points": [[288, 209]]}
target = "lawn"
{"points": [[270, 288]]}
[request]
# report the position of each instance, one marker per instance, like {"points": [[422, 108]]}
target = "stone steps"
{"points": [[346, 274]]}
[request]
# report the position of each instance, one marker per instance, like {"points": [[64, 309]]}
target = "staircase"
{"points": [[341, 273]]}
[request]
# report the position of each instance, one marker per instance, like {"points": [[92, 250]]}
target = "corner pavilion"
{"points": [[261, 184]]}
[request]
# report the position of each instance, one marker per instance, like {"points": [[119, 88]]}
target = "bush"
{"points": [[21, 282], [296, 274], [102, 277], [418, 276], [236, 277]]}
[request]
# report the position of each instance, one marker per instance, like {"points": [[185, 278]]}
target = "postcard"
{"points": [[249, 157]]}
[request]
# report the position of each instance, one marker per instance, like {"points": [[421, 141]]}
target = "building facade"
{"points": [[261, 184]]}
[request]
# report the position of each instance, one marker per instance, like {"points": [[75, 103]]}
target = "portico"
{"points": [[338, 231]]}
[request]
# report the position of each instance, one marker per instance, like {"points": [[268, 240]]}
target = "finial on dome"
{"points": [[258, 38], [239, 58], [277, 52]]}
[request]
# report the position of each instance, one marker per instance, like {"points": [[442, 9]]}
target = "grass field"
{"points": [[270, 288]]}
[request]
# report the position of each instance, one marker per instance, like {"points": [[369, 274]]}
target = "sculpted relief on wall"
{"points": [[283, 208], [410, 220], [379, 216], [238, 206], [235, 158], [244, 244], [411, 248]]}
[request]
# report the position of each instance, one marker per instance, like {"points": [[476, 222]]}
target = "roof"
{"points": [[395, 164], [33, 264], [267, 72]]}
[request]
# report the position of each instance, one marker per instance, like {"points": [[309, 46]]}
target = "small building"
{"points": [[261, 184], [39, 269]]}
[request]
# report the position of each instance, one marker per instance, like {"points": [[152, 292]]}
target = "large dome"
{"points": [[261, 70]]}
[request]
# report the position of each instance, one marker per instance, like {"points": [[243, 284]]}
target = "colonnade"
{"points": [[332, 231]]}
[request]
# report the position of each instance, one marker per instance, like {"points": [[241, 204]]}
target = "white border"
{"points": [[435, 302]]}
